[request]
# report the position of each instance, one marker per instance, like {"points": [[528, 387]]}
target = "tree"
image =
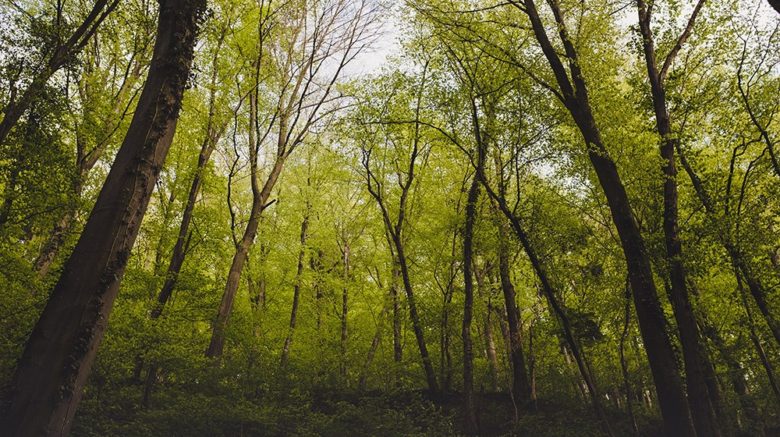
{"points": [[51, 374]]}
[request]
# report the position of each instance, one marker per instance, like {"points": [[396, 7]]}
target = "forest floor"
{"points": [[341, 413]]}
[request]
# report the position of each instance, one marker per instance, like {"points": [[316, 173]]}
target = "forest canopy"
{"points": [[390, 218]]}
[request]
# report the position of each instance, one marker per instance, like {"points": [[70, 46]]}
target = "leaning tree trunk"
{"points": [[430, 376], [652, 323], [54, 366], [210, 139], [260, 198], [296, 291], [701, 401], [343, 316], [521, 389]]}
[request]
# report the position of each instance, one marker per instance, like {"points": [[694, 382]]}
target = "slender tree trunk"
{"points": [[208, 145], [51, 248], [217, 342], [315, 265], [736, 376], [521, 388], [183, 238], [652, 323], [397, 346], [394, 233], [624, 364], [445, 355], [9, 196], [491, 349], [375, 342], [430, 375], [550, 294], [260, 198], [57, 358], [555, 307], [472, 426], [343, 316], [531, 364], [296, 290], [754, 338]]}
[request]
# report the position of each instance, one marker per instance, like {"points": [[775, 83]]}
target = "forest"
{"points": [[390, 218]]}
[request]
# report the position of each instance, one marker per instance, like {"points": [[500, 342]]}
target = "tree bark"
{"points": [[472, 426], [57, 358], [574, 95], [521, 389], [700, 400]]}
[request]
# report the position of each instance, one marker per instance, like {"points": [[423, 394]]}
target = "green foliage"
{"points": [[460, 66]]}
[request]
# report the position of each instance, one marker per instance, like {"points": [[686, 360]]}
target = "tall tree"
{"points": [[572, 91], [395, 228], [697, 364], [51, 374], [328, 34]]}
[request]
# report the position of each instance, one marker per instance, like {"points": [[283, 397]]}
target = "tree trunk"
{"points": [[624, 364], [296, 290], [754, 338], [51, 248], [53, 369], [259, 203], [430, 376], [374, 342], [472, 426], [736, 376], [521, 389], [652, 323], [490, 343], [550, 295], [694, 355], [208, 145], [343, 317], [397, 346], [217, 342]]}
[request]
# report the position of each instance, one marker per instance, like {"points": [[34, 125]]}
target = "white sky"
{"points": [[387, 43]]}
